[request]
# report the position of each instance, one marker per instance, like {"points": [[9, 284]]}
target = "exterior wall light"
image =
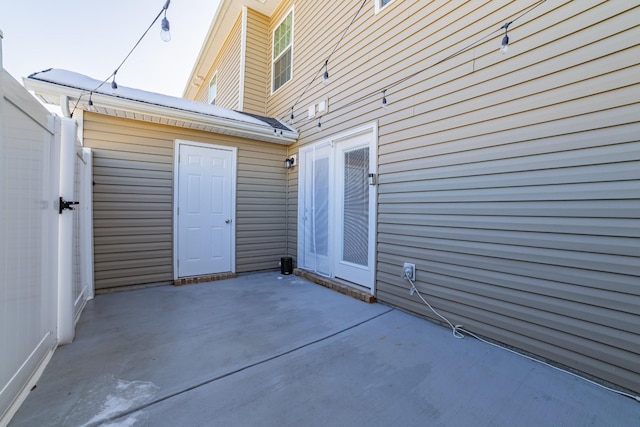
{"points": [[290, 162]]}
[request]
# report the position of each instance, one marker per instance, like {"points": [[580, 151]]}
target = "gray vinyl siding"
{"points": [[133, 200], [256, 85], [513, 182]]}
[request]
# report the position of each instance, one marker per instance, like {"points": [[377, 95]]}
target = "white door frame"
{"points": [[370, 128], [176, 173]]}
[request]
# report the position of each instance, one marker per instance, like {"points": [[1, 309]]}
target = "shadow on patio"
{"points": [[271, 350]]}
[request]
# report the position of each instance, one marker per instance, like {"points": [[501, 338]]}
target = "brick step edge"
{"points": [[336, 286], [202, 279]]}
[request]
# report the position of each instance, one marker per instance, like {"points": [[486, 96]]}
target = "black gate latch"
{"points": [[66, 205]]}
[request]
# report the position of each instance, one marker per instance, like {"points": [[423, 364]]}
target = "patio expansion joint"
{"points": [[236, 371]]}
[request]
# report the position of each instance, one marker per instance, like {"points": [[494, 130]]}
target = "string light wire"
{"points": [[326, 62], [163, 10], [376, 94]]}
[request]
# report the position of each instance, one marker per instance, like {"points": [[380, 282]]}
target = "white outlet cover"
{"points": [[322, 106], [312, 111]]}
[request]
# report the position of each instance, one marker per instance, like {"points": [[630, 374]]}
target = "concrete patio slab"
{"points": [[272, 350]]}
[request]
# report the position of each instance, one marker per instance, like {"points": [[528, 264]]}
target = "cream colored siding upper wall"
{"points": [[228, 68], [511, 181], [257, 63], [227, 65], [133, 200]]}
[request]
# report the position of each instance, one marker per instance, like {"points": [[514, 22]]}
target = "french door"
{"points": [[337, 208]]}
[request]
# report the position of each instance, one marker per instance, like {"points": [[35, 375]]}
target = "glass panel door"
{"points": [[355, 216], [314, 219], [354, 212]]}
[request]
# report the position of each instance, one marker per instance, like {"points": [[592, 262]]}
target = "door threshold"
{"points": [[335, 285], [202, 279]]}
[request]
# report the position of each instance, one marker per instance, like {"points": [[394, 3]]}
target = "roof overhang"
{"points": [[224, 19], [155, 108]]}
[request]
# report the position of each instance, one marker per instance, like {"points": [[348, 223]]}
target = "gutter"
{"points": [[220, 124]]}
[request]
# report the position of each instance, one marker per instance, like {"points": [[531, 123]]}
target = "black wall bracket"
{"points": [[66, 205]]}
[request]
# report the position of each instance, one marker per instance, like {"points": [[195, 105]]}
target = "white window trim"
{"points": [[273, 34], [379, 8], [215, 76], [243, 57]]}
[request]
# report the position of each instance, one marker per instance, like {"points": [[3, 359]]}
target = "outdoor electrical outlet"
{"points": [[409, 271]]}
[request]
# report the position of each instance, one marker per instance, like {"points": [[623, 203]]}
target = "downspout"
{"points": [[64, 106], [286, 213]]}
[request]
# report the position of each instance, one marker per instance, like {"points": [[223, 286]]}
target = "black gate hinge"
{"points": [[66, 205]]}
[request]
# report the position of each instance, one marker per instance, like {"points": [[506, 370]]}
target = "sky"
{"points": [[92, 37]]}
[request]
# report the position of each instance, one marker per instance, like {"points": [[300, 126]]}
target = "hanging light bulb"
{"points": [[325, 77], [91, 106], [114, 85], [504, 46], [292, 116], [384, 99], [165, 35], [320, 122]]}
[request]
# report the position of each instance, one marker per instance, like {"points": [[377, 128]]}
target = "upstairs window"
{"points": [[283, 52], [213, 89], [380, 4]]}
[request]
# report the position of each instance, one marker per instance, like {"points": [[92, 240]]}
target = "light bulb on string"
{"points": [[320, 122], [114, 85], [504, 46], [165, 35], [325, 76], [384, 99], [292, 116], [91, 106]]}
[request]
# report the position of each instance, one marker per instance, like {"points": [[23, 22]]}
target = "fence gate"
{"points": [[46, 255], [28, 239]]}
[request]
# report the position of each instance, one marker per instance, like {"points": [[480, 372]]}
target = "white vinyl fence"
{"points": [[39, 298]]}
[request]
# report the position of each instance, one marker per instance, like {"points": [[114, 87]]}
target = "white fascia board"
{"points": [[211, 43]]}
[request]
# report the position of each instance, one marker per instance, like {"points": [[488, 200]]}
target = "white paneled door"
{"points": [[205, 211]]}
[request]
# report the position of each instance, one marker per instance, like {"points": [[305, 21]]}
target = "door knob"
{"points": [[228, 221]]}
